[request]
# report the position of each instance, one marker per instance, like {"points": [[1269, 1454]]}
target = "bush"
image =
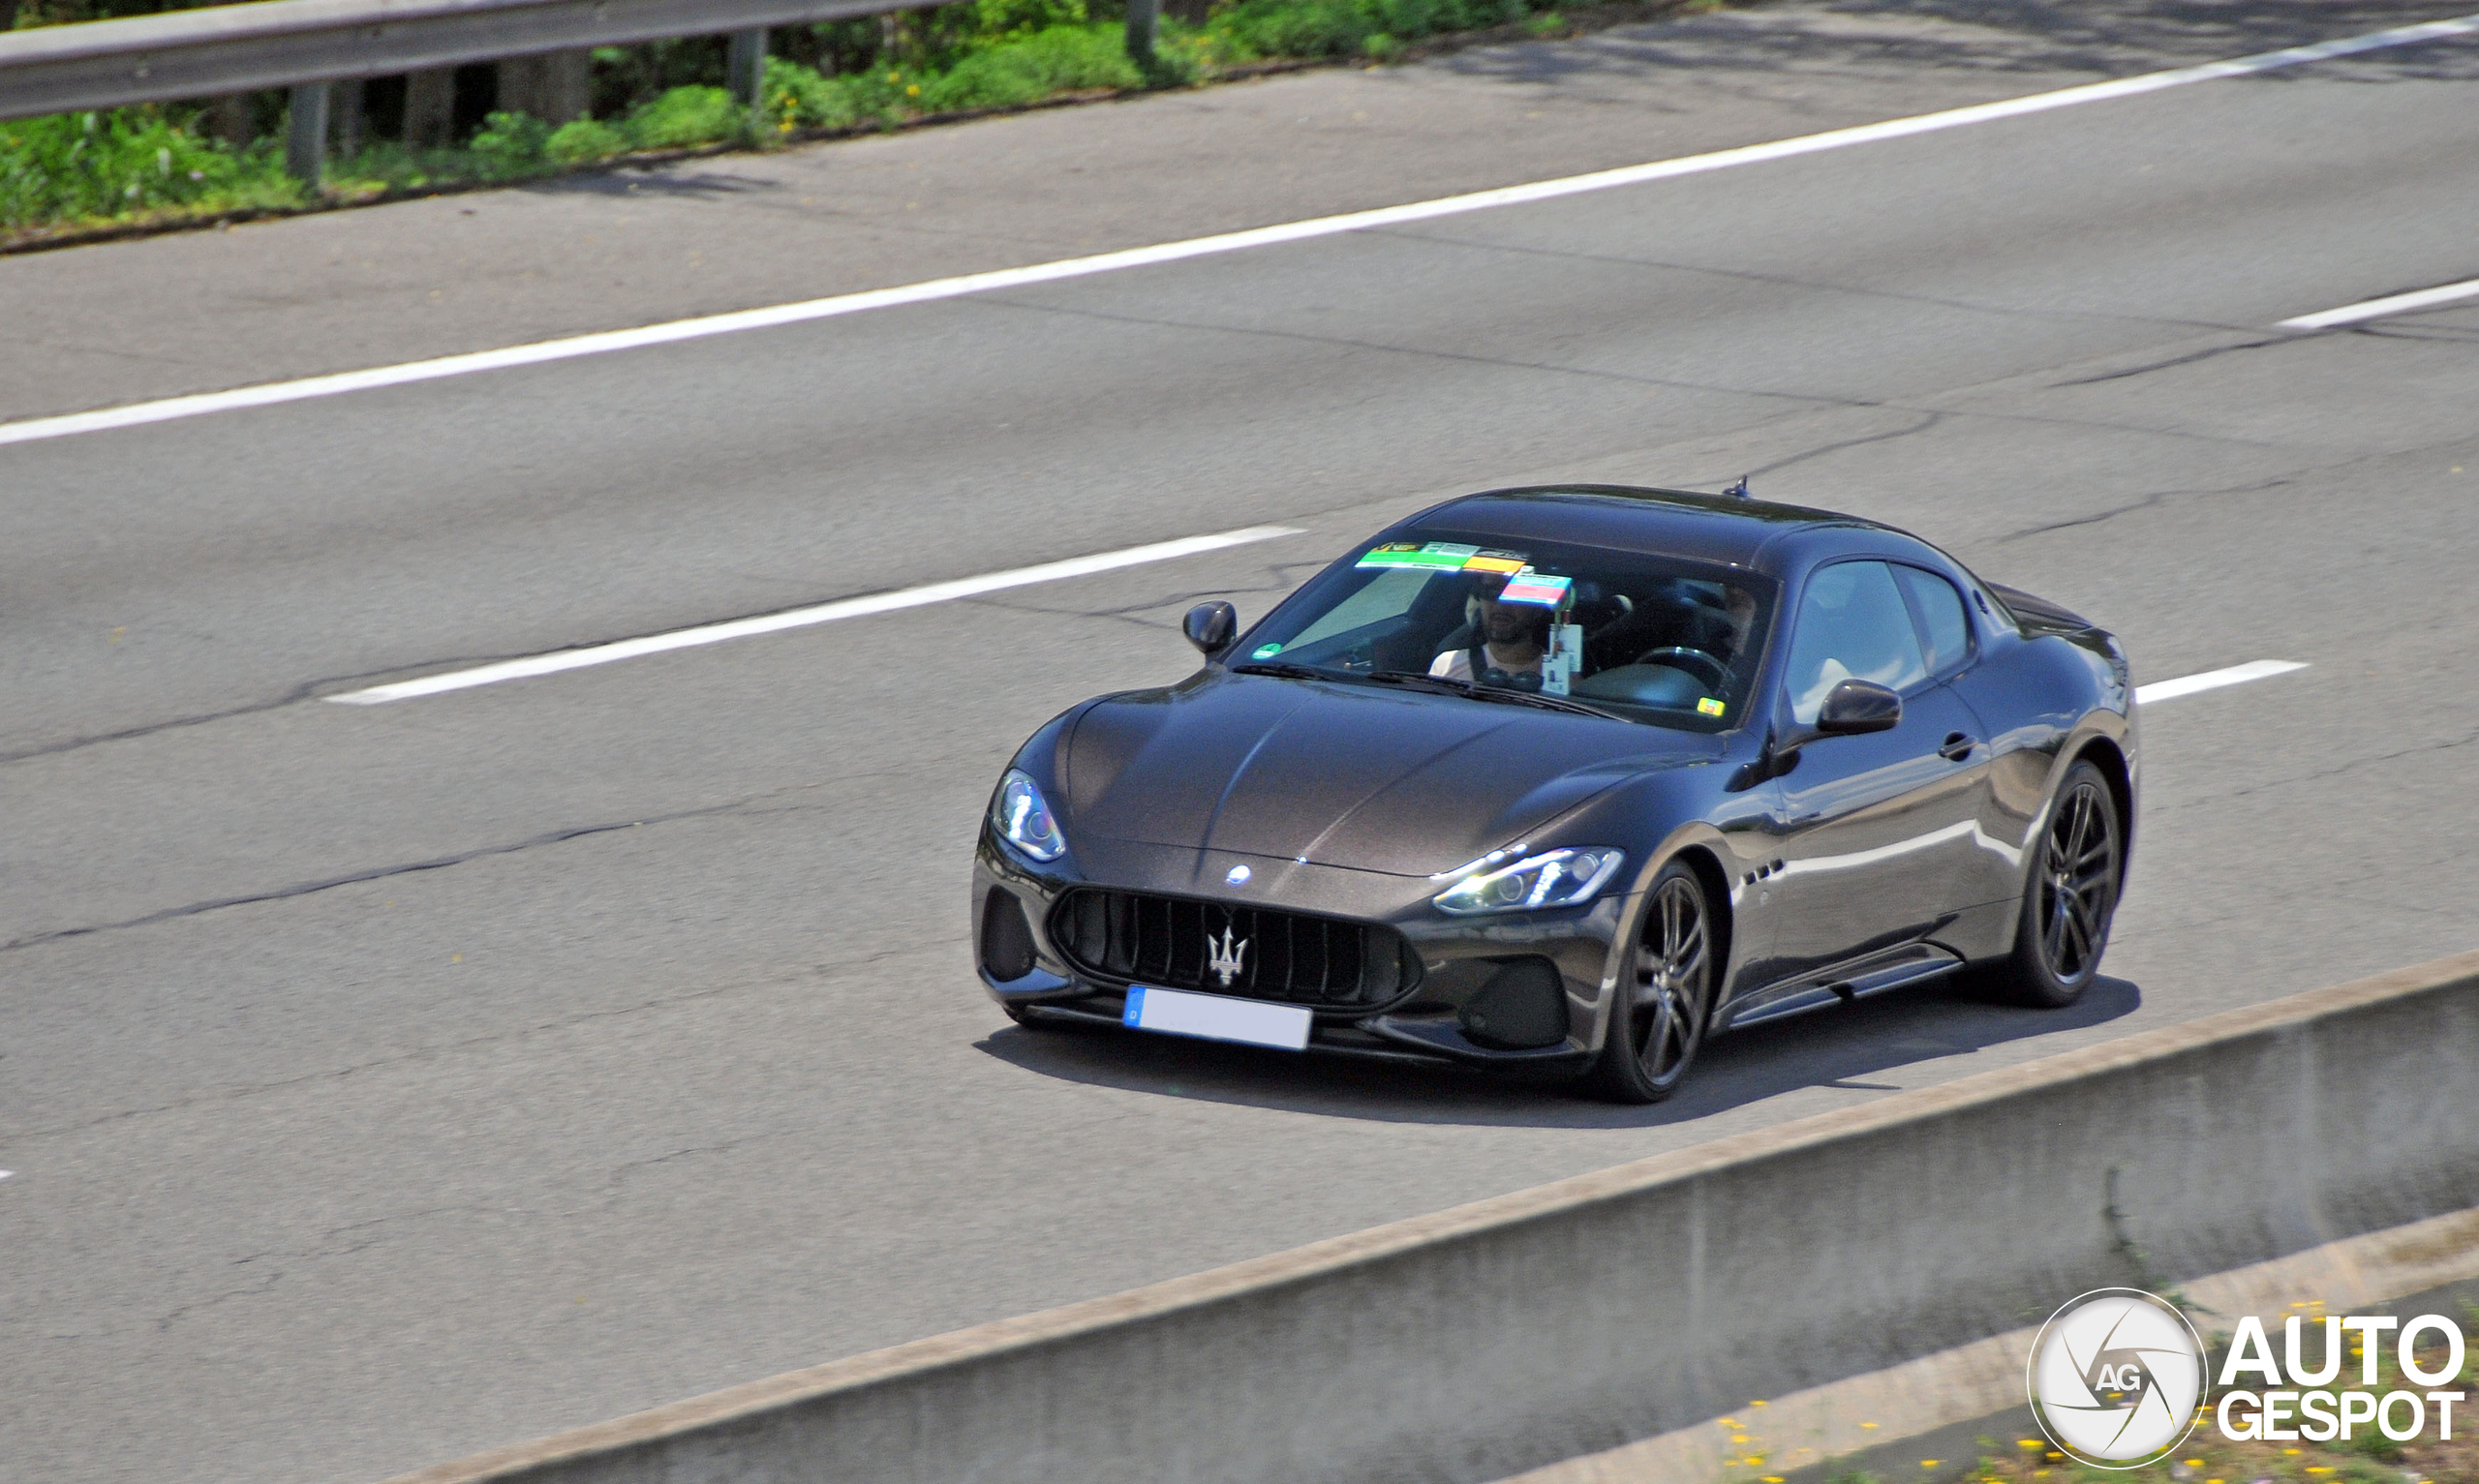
{"points": [[1334, 28], [1052, 61], [685, 115], [993, 18], [584, 141], [68, 165], [798, 98], [511, 146]]}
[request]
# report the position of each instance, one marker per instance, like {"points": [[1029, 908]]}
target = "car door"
{"points": [[1873, 829]]}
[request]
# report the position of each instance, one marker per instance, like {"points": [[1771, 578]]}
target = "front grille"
{"points": [[1173, 942]]}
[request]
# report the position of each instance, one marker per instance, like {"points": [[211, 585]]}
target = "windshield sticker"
{"points": [[1710, 707], [1531, 586], [1440, 556], [1267, 652]]}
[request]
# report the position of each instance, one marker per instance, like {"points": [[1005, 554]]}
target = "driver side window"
{"points": [[1852, 627]]}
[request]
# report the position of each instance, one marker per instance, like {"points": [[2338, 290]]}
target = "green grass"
{"points": [[151, 163], [131, 162]]}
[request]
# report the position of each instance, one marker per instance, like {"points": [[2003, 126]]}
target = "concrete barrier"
{"points": [[1644, 1299]]}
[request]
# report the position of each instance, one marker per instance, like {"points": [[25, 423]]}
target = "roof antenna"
{"points": [[1738, 491]]}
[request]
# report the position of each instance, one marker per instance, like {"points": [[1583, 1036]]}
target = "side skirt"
{"points": [[1857, 978]]}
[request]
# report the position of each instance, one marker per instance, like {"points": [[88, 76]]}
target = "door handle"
{"points": [[1958, 747]]}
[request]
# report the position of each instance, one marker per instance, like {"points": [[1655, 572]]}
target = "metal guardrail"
{"points": [[305, 44]]}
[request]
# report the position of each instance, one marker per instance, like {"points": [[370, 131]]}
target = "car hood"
{"points": [[1340, 773]]}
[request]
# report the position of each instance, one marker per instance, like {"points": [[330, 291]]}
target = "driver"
{"points": [[1513, 638], [1741, 604]]}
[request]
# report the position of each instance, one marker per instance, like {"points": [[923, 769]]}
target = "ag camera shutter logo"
{"points": [[2116, 1378]]}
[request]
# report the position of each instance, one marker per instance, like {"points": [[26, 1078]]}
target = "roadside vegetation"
{"points": [[70, 174]]}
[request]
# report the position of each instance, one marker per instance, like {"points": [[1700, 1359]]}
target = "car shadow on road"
{"points": [[1843, 1049]]}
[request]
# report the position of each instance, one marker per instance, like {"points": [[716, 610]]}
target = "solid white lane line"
{"points": [[2213, 680], [802, 618], [2391, 304], [569, 348]]}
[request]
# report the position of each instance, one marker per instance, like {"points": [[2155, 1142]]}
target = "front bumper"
{"points": [[1547, 977]]}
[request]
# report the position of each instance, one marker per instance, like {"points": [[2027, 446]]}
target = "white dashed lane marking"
{"points": [[922, 596], [2213, 680], [2386, 307]]}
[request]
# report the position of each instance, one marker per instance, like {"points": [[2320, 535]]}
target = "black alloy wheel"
{"points": [[1667, 994], [2069, 895]]}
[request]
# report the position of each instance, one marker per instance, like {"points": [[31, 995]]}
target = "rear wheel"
{"points": [[2069, 895], [1664, 997]]}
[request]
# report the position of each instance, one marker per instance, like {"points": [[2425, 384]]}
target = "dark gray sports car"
{"points": [[1570, 779]]}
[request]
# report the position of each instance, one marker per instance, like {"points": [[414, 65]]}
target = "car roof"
{"points": [[1680, 523]]}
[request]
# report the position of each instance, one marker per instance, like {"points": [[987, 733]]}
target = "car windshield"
{"points": [[1642, 637]]}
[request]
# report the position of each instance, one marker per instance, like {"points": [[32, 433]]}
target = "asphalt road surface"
{"points": [[382, 1083]]}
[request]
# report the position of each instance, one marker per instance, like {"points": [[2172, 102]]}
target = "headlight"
{"points": [[1022, 817], [1557, 878]]}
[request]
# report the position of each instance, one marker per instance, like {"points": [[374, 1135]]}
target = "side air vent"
{"points": [[1006, 938]]}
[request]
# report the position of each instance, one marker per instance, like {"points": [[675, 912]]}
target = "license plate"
{"points": [[1217, 1017]]}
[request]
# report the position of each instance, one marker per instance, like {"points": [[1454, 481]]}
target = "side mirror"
{"points": [[1858, 706], [1212, 627]]}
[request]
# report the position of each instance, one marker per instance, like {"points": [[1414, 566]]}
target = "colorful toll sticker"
{"points": [[1531, 586], [1507, 562], [1710, 707], [1267, 652], [1437, 556]]}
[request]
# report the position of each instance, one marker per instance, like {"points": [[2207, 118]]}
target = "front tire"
{"points": [[1666, 995], [2069, 896]]}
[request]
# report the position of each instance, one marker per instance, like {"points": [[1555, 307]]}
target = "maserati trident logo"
{"points": [[1229, 958]]}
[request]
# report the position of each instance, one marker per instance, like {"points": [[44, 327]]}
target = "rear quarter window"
{"points": [[1944, 629]]}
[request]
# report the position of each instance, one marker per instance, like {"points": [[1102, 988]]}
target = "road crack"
{"points": [[2147, 502], [1463, 357], [749, 805], [2188, 359], [1927, 421], [355, 878], [835, 967]]}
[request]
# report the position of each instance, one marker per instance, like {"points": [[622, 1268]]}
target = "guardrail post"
{"points": [[353, 117], [305, 141], [1144, 21], [745, 66], [430, 107]]}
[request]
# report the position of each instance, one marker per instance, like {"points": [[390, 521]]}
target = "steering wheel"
{"points": [[1697, 663]]}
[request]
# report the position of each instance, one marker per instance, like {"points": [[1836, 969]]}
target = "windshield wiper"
{"points": [[1286, 670], [1449, 686], [1421, 680]]}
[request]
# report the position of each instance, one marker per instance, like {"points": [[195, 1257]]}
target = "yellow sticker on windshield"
{"points": [[1710, 707]]}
